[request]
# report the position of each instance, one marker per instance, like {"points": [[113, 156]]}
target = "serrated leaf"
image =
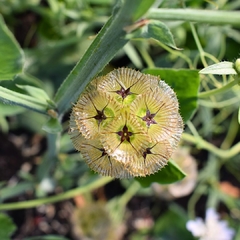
{"points": [[185, 83], [169, 174], [7, 227], [8, 96], [155, 30], [11, 57], [222, 68]]}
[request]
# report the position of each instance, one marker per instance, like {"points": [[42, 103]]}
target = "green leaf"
{"points": [[35, 92], [7, 227], [185, 83], [169, 174], [8, 192], [11, 57], [8, 96], [142, 8], [222, 68], [156, 30], [52, 126]]}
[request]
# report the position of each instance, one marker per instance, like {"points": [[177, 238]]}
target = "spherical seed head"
{"points": [[126, 124]]}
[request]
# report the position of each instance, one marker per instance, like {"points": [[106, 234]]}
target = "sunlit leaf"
{"points": [[222, 68]]}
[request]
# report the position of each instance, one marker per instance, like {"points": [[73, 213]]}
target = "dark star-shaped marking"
{"points": [[100, 116], [125, 134], [124, 92], [149, 118]]}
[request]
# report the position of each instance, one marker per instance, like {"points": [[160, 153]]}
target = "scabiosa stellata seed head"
{"points": [[126, 124]]}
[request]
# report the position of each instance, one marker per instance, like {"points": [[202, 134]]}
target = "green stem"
{"points": [[193, 15], [50, 160], [130, 192], [219, 90], [202, 144], [201, 52], [60, 197], [177, 53], [147, 58], [231, 133], [218, 105], [199, 191]]}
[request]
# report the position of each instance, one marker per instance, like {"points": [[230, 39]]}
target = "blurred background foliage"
{"points": [[54, 35]]}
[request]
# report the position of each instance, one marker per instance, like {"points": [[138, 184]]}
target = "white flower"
{"points": [[211, 229]]}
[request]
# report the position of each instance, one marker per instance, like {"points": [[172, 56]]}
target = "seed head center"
{"points": [[125, 134], [145, 153], [100, 116], [149, 118], [124, 92]]}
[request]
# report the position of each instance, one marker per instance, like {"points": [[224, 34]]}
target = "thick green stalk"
{"points": [[193, 15], [110, 39]]}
